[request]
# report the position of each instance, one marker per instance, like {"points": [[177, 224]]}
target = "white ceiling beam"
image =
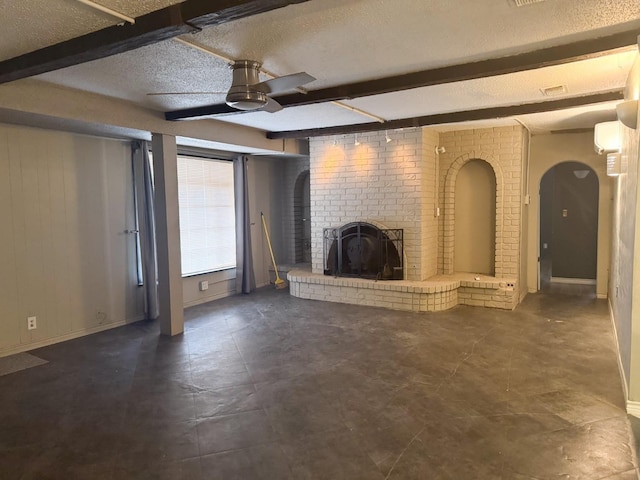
{"points": [[108, 11]]}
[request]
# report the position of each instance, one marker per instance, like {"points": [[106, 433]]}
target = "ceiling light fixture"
{"points": [[386, 136], [108, 11], [628, 113]]}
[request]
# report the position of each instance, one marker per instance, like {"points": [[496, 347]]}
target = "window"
{"points": [[207, 215]]}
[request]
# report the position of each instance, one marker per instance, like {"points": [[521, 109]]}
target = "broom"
{"points": [[279, 282]]}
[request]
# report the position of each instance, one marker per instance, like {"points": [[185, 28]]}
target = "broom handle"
{"points": [[273, 259]]}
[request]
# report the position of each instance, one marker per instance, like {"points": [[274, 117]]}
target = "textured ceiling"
{"points": [[28, 25], [339, 42]]}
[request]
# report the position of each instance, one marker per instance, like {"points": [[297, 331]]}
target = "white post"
{"points": [[165, 168]]}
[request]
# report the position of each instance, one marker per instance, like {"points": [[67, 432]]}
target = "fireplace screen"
{"points": [[360, 249]]}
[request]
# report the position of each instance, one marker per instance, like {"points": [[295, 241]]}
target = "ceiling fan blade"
{"points": [[271, 106], [158, 94], [287, 82]]}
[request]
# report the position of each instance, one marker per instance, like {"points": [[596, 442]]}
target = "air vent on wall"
{"points": [[523, 3], [553, 91]]}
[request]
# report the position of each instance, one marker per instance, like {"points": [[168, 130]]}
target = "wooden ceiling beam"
{"points": [[454, 117], [163, 24], [545, 57]]}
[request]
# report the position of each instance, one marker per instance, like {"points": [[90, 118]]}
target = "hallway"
{"points": [[268, 386]]}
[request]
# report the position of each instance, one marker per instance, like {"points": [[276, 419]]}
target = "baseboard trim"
{"points": [[69, 336], [633, 408], [602, 296], [212, 298], [623, 376], [575, 281]]}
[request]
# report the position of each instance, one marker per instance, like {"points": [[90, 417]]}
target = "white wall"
{"points": [[524, 208], [546, 152], [624, 290], [65, 202], [266, 190], [221, 284]]}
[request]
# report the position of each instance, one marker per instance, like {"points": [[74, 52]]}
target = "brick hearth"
{"points": [[404, 184]]}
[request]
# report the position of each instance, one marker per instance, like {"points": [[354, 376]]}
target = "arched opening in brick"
{"points": [[569, 197], [302, 218], [450, 214], [475, 218]]}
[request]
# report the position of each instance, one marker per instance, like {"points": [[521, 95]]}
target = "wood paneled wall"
{"points": [[65, 203]]}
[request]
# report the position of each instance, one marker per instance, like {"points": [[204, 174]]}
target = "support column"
{"points": [[165, 168]]}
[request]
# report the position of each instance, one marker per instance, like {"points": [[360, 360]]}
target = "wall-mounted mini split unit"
{"points": [[614, 164], [606, 140], [606, 137]]}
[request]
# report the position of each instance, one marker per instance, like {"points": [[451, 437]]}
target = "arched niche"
{"points": [[449, 221], [475, 218], [302, 218]]}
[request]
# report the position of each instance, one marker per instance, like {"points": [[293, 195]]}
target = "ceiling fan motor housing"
{"points": [[242, 94]]}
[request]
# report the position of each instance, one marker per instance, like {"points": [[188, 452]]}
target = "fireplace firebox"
{"points": [[359, 249]]}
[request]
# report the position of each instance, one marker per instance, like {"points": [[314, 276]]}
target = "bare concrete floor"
{"points": [[268, 386]]}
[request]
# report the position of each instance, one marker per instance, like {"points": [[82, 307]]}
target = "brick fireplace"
{"points": [[404, 184]]}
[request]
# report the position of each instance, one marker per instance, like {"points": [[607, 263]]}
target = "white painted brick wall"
{"points": [[400, 184], [376, 182], [502, 148]]}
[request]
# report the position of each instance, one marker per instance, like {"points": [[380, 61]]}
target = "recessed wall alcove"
{"points": [[302, 218], [484, 175]]}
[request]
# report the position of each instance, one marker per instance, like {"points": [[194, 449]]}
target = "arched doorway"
{"points": [[568, 246], [475, 218], [302, 218]]}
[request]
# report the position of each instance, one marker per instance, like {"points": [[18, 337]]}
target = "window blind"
{"points": [[207, 215]]}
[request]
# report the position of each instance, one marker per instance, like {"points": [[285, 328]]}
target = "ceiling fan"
{"points": [[248, 93]]}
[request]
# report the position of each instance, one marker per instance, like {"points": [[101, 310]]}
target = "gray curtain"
{"points": [[145, 213], [245, 278]]}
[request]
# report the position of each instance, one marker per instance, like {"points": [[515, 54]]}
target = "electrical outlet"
{"points": [[204, 285], [101, 315], [31, 323]]}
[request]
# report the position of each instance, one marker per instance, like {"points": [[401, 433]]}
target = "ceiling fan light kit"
{"points": [[248, 93], [243, 95]]}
